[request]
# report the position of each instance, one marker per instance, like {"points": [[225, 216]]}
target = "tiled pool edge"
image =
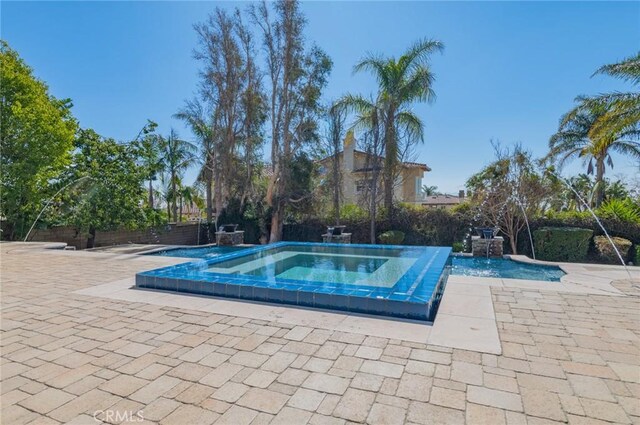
{"points": [[236, 288], [339, 302]]}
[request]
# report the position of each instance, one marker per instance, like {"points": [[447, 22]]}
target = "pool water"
{"points": [[504, 268], [395, 281], [370, 266], [202, 252]]}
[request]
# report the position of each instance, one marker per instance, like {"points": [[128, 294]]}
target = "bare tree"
{"points": [[335, 133], [508, 191], [230, 122], [296, 77], [373, 146]]}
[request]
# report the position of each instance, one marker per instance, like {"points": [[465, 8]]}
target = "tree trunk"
{"points": [[208, 196], [217, 194], [181, 202], [513, 241], [91, 241], [278, 204], [150, 193], [390, 158], [372, 210], [174, 205], [277, 221], [336, 191], [599, 195]]}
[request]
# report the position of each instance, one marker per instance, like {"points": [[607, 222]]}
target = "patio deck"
{"points": [[79, 346]]}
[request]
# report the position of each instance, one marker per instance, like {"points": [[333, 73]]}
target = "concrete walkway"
{"points": [[79, 346]]}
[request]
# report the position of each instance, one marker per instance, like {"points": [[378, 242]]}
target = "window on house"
{"points": [[362, 185]]}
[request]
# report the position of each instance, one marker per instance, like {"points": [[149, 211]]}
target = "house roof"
{"points": [[441, 200]]}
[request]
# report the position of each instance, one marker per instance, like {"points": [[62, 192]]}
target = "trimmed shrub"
{"points": [[636, 260], [605, 252], [562, 244], [392, 237], [457, 247]]}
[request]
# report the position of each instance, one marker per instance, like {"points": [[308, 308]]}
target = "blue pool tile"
{"points": [[357, 303], [290, 296], [207, 288], [232, 290], [219, 289], [339, 301], [275, 294], [246, 291], [422, 283], [181, 284], [377, 305], [321, 300], [401, 297], [261, 293], [305, 298]]}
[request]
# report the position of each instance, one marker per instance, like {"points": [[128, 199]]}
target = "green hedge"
{"points": [[636, 260], [562, 244], [434, 227]]}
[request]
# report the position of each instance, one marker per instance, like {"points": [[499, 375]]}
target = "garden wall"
{"points": [[171, 234]]}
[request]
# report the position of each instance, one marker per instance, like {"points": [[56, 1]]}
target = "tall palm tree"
{"points": [[429, 190], [151, 160], [177, 155], [401, 82], [189, 195], [575, 139], [623, 108], [193, 113]]}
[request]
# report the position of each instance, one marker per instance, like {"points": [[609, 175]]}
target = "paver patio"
{"points": [[68, 357]]}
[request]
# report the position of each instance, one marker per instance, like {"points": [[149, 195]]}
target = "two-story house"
{"points": [[356, 169]]}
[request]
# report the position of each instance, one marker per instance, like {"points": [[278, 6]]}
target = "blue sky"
{"points": [[509, 69]]}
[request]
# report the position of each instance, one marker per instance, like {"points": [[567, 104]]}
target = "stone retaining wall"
{"points": [[171, 234]]}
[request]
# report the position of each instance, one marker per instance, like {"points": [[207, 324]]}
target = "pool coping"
{"points": [[414, 303]]}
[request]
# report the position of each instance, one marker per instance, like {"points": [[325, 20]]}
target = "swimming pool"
{"points": [[399, 281], [504, 268], [200, 252]]}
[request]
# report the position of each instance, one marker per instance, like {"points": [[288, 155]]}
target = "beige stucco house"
{"points": [[356, 170]]}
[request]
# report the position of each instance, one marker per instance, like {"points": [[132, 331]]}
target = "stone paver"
{"points": [[263, 400], [355, 405], [565, 357]]}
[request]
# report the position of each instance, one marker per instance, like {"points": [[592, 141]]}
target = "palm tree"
{"points": [[151, 160], [177, 156], [189, 195], [575, 139], [623, 109], [193, 114], [430, 190], [401, 82]]}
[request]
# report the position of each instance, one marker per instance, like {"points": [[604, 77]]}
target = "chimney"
{"points": [[461, 194], [349, 148]]}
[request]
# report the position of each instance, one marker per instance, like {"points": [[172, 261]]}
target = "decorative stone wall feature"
{"points": [[480, 245], [342, 238], [230, 238]]}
